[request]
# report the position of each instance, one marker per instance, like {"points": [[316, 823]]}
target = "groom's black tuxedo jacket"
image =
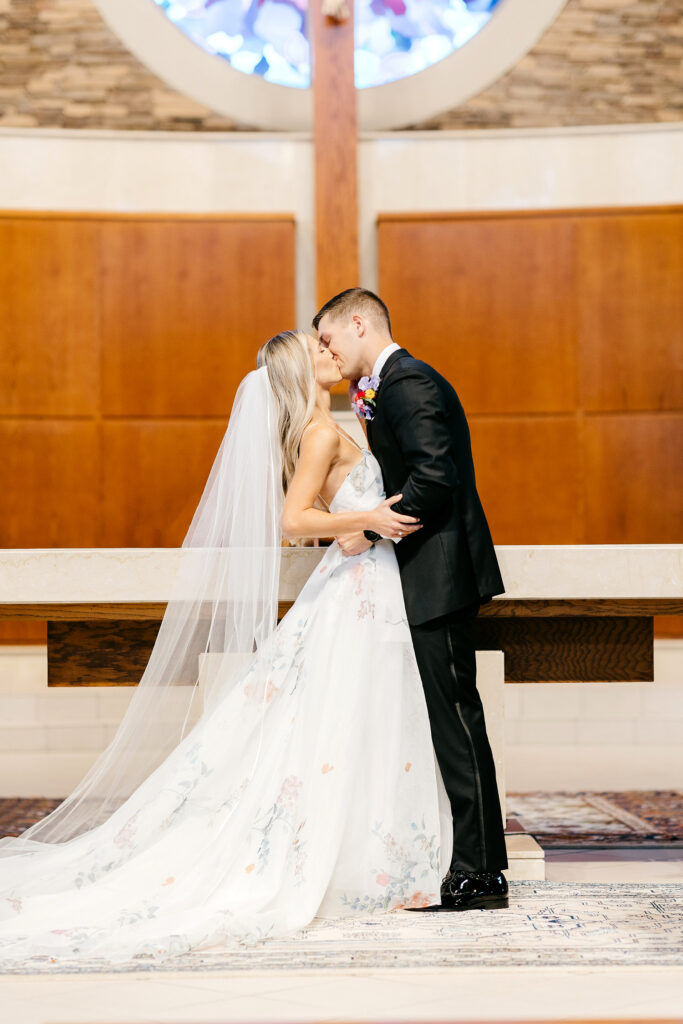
{"points": [[420, 437]]}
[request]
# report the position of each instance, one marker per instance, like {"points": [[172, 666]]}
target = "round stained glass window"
{"points": [[394, 38]]}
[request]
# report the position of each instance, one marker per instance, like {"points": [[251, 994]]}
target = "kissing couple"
{"points": [[334, 763]]}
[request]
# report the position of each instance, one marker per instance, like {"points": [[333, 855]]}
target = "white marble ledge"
{"points": [[546, 571]]}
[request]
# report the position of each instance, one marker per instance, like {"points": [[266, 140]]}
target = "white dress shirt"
{"points": [[382, 358]]}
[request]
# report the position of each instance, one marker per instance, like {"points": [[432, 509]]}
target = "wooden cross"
{"points": [[335, 144]]}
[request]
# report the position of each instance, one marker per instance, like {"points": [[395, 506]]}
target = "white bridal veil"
{"points": [[222, 607]]}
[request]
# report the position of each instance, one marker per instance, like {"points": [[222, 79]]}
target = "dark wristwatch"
{"points": [[371, 535]]}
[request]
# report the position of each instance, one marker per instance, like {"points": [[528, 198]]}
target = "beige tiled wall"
{"points": [[609, 714], [558, 736]]}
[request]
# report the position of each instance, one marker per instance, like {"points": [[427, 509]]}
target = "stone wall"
{"points": [[601, 62], [61, 66]]}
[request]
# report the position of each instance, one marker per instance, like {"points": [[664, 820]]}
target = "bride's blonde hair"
{"points": [[292, 378]]}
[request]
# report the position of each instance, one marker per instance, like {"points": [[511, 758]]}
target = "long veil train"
{"points": [[223, 606]]}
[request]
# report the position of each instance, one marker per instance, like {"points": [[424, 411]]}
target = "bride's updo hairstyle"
{"points": [[292, 378]]}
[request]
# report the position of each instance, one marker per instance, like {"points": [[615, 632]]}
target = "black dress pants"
{"points": [[445, 653]]}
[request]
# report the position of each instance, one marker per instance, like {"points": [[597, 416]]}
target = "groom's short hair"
{"points": [[355, 300]]}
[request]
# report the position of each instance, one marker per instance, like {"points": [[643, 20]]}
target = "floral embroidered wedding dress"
{"points": [[345, 812]]}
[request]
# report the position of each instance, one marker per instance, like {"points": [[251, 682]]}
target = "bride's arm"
{"points": [[299, 517]]}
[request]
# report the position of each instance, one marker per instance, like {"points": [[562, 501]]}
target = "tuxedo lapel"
{"points": [[386, 372], [369, 430], [389, 365]]}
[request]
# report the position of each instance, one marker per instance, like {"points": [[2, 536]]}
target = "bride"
{"points": [[263, 775]]}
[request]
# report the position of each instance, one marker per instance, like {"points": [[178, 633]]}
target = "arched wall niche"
{"points": [[209, 79]]}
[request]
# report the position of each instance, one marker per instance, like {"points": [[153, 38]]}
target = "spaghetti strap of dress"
{"points": [[342, 433]]}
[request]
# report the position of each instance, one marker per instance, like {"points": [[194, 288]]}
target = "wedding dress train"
{"points": [[343, 813]]}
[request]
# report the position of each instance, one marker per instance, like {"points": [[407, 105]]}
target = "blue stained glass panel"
{"points": [[394, 38], [259, 37]]}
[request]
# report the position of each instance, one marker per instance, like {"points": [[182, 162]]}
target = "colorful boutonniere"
{"points": [[364, 397]]}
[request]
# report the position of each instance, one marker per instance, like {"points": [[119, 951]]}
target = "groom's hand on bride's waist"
{"points": [[353, 543]]}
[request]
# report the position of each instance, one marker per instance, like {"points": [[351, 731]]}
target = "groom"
{"points": [[418, 432]]}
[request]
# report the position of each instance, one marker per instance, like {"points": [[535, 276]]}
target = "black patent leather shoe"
{"points": [[470, 890]]}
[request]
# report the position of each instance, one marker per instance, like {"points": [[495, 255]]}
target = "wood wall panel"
{"points": [[123, 341], [154, 472], [49, 493], [185, 306], [490, 301], [573, 311], [16, 632], [634, 468], [630, 310], [528, 473], [48, 317]]}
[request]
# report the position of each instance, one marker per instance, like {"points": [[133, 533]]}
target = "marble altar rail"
{"points": [[569, 613]]}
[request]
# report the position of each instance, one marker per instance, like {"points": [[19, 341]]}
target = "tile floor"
{"points": [[527, 993], [615, 865]]}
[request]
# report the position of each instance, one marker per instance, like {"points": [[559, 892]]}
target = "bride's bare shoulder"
{"points": [[319, 437], [319, 448]]}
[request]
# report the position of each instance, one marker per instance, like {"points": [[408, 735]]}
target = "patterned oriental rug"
{"points": [[626, 818], [547, 924]]}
